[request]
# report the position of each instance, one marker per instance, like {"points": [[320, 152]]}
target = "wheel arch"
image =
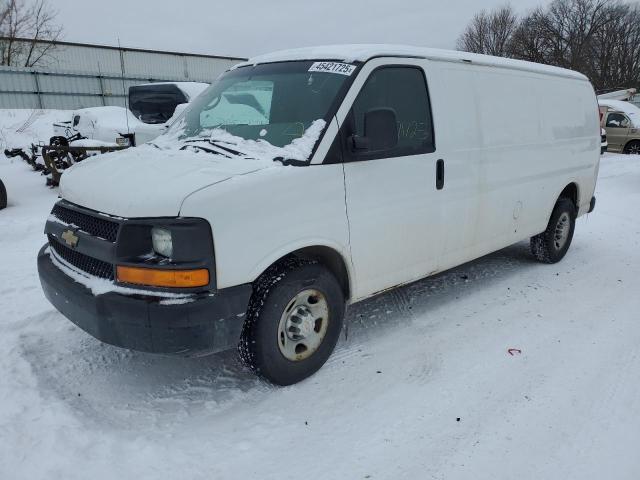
{"points": [[572, 192], [633, 140], [330, 256]]}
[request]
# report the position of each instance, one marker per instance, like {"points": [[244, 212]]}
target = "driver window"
{"points": [[617, 120], [246, 102], [403, 90]]}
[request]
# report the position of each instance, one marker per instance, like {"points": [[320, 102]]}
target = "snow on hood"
{"points": [[147, 181], [153, 180]]}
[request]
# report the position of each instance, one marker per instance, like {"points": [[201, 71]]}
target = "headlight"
{"points": [[162, 242]]}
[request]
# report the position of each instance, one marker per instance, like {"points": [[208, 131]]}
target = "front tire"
{"points": [[632, 148], [551, 245], [293, 321]]}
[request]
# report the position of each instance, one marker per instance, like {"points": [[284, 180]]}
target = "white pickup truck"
{"points": [[152, 108], [307, 180]]}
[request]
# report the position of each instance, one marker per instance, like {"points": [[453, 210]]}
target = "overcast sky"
{"points": [[247, 27]]}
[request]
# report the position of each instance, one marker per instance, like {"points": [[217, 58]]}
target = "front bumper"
{"points": [[208, 323]]}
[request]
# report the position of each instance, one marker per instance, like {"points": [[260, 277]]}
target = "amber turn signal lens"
{"points": [[153, 277]]}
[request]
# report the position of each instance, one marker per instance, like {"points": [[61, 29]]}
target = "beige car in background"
{"points": [[621, 120]]}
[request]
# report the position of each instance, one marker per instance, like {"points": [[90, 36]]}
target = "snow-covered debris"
{"points": [[19, 128]]}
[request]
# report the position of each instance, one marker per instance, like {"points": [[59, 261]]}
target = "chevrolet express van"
{"points": [[307, 180]]}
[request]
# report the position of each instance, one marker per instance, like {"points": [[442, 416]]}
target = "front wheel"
{"points": [[293, 321], [551, 245], [632, 148]]}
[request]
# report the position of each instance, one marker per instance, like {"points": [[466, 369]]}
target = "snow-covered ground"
{"points": [[19, 128], [423, 387]]}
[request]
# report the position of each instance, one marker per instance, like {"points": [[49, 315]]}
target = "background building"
{"points": [[76, 75]]}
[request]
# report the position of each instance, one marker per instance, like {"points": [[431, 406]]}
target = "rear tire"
{"points": [[3, 196], [551, 245], [293, 323], [632, 148]]}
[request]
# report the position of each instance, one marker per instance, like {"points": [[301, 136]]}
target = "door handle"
{"points": [[440, 174]]}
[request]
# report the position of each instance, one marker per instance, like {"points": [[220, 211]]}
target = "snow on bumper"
{"points": [[207, 324]]}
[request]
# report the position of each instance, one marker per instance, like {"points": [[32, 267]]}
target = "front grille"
{"points": [[95, 226], [87, 264]]}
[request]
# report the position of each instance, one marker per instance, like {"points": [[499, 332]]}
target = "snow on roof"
{"points": [[364, 52], [628, 108]]}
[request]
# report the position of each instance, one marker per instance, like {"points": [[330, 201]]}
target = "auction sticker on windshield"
{"points": [[333, 67]]}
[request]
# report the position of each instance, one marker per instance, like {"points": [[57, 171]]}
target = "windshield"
{"points": [[279, 109], [155, 103]]}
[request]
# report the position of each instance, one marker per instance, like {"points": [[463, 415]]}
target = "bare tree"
{"points": [[600, 38], [490, 32], [28, 32], [617, 50]]}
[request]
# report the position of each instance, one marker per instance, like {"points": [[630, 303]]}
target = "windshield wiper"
{"points": [[291, 161], [205, 149], [218, 145]]}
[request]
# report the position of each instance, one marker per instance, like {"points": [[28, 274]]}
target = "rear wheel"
{"points": [[551, 245], [293, 321], [632, 148]]}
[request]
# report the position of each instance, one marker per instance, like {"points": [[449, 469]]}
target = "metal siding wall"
{"points": [[72, 79], [144, 64], [201, 68], [8, 100]]}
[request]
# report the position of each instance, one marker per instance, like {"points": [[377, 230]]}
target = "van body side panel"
{"points": [[538, 134], [512, 141], [275, 212], [459, 144]]}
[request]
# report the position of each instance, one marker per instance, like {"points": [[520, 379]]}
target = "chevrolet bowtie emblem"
{"points": [[70, 238]]}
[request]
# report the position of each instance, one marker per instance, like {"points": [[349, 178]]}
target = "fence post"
{"points": [[104, 102], [38, 93]]}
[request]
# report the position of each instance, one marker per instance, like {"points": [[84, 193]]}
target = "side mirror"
{"points": [[380, 131], [625, 123]]}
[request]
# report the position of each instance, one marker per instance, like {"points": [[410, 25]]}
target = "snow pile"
{"points": [[20, 128]]}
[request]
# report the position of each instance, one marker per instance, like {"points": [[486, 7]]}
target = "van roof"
{"points": [[364, 52]]}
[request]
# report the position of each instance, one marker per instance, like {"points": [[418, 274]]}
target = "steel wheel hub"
{"points": [[562, 231], [303, 325]]}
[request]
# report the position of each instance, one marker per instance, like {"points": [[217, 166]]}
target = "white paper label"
{"points": [[333, 67]]}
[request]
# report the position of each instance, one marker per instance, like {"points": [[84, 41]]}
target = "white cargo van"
{"points": [[304, 181]]}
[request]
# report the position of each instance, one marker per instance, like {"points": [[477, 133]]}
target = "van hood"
{"points": [[147, 181]]}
